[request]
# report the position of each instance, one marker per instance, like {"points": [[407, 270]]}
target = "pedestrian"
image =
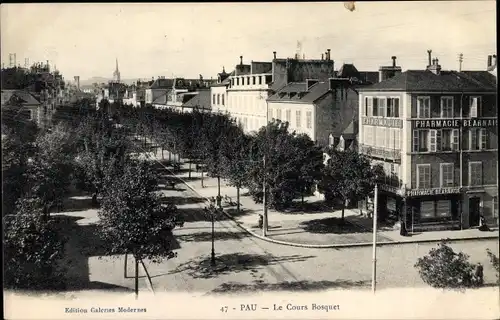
{"points": [[478, 275], [402, 231], [482, 224], [261, 221]]}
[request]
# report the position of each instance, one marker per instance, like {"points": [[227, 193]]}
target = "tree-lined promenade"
{"points": [[95, 151]]}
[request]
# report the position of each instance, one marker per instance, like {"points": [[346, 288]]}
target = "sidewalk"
{"points": [[311, 229]]}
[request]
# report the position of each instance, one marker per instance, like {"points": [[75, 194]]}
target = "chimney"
{"points": [[393, 61], [489, 61], [274, 53], [310, 83], [435, 67], [329, 58], [241, 60], [201, 77], [322, 56], [387, 72], [429, 52]]}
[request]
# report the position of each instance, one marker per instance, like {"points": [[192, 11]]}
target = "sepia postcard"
{"points": [[232, 160]]}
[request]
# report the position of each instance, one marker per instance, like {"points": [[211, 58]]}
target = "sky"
{"points": [[189, 39]]}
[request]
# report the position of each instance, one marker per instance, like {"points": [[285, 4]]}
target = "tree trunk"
{"points": [[202, 178], [136, 278], [169, 156], [238, 199], [190, 168], [162, 156], [125, 267], [343, 209], [302, 194]]}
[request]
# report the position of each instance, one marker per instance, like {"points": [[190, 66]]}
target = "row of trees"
{"points": [[83, 151], [293, 164]]}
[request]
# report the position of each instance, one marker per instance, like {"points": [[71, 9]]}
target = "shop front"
{"points": [[434, 209]]}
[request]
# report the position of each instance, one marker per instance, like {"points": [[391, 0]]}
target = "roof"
{"points": [[201, 100], [162, 99], [298, 70], [162, 83], [25, 97], [425, 80], [297, 92], [348, 70]]}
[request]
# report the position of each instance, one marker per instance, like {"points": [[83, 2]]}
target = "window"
{"points": [[237, 81], [475, 173], [446, 178], [222, 99], [379, 136], [475, 107], [423, 176], [446, 107], [368, 135], [260, 80], [427, 209], [443, 208], [433, 140], [423, 107], [374, 107], [478, 139], [381, 107], [253, 80], [420, 140], [368, 106], [397, 139], [278, 114], [31, 114], [297, 118], [288, 115], [218, 99], [308, 119], [270, 114], [393, 107], [214, 99], [446, 140], [388, 138]]}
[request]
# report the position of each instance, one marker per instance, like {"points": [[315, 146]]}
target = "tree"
{"points": [[444, 268], [32, 247], [132, 218], [286, 172], [347, 175], [234, 157], [50, 170]]}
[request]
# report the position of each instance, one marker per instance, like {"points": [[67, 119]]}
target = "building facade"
{"points": [[434, 132]]}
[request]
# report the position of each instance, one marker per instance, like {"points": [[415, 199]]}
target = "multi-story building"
{"points": [[434, 131], [250, 85], [327, 111]]}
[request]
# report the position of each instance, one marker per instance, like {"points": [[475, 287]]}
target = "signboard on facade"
{"points": [[436, 124], [482, 123], [454, 123], [383, 122], [380, 153], [391, 189], [432, 192]]}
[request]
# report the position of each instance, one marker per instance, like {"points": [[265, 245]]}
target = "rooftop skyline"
{"points": [[186, 40]]}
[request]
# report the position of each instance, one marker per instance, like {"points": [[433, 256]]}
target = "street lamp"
{"points": [[212, 211]]}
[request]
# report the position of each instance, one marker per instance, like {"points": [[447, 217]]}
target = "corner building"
{"points": [[435, 133]]}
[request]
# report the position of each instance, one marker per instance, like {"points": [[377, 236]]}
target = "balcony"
{"points": [[380, 152]]}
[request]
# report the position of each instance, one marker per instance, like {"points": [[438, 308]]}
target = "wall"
{"points": [[294, 107]]}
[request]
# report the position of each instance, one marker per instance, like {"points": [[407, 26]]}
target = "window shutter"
{"points": [[375, 107], [483, 137], [396, 108], [454, 139], [432, 140], [438, 140], [366, 106], [389, 106], [473, 107], [416, 142]]}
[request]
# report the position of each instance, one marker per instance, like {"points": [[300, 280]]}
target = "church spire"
{"points": [[116, 74]]}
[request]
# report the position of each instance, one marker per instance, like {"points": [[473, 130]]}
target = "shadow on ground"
{"points": [[76, 203], [232, 263], [84, 242], [331, 225], [368, 222], [207, 236], [260, 285], [197, 214], [182, 200]]}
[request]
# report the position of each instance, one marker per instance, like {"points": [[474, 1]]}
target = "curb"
{"points": [[322, 246]]}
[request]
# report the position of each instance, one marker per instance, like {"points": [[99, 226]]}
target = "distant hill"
{"points": [[90, 81]]}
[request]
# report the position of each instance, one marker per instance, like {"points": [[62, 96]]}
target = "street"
{"points": [[246, 264]]}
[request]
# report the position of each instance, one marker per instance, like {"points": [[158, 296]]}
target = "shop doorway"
{"points": [[474, 211]]}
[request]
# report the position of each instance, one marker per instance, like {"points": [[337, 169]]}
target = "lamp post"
{"points": [[212, 210], [374, 266]]}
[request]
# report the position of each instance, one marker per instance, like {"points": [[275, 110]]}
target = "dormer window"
{"points": [[282, 94], [292, 94]]}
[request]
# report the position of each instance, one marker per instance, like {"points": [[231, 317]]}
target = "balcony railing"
{"points": [[380, 152]]}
